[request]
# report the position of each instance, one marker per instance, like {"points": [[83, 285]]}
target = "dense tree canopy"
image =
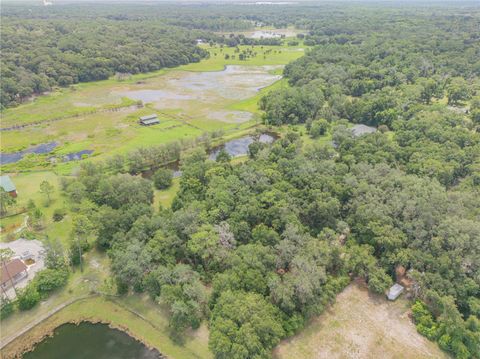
{"points": [[258, 247], [39, 54]]}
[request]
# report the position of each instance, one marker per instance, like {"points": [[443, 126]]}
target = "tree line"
{"points": [[38, 54]]}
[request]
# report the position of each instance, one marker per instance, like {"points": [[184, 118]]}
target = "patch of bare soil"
{"points": [[360, 325]]}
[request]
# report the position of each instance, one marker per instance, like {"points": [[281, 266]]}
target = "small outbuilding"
{"points": [[8, 186], [360, 130], [149, 120], [395, 291]]}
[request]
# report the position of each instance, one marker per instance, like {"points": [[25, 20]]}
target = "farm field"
{"points": [[360, 325]]}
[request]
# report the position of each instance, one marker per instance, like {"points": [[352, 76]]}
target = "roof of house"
{"points": [[359, 130], [11, 269], [149, 117], [7, 184]]}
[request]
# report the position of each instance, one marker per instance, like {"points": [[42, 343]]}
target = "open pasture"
{"points": [[93, 96], [220, 92]]}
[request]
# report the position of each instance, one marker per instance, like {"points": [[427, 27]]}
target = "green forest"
{"points": [[256, 248]]}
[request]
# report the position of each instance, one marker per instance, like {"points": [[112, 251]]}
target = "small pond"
{"points": [[44, 148], [88, 341], [239, 146], [75, 156], [236, 147], [6, 158]]}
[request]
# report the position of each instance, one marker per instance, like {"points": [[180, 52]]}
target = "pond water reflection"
{"points": [[88, 341]]}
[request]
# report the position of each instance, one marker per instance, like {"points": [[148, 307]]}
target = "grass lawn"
{"points": [[28, 188], [165, 197]]}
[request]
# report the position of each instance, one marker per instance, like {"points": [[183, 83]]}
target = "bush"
{"points": [[378, 280], [58, 214], [28, 297], [162, 178], [6, 309], [48, 280], [318, 128]]}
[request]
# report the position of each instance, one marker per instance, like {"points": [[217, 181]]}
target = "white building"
{"points": [[395, 291]]}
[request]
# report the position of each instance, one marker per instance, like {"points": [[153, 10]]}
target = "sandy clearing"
{"points": [[360, 325]]}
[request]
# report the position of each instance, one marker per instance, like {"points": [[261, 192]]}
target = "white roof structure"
{"points": [[359, 130], [395, 291], [149, 120]]}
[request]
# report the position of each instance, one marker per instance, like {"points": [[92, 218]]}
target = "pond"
{"points": [[6, 158], [88, 340], [235, 148], [44, 148], [239, 146], [203, 94], [233, 82], [269, 34]]}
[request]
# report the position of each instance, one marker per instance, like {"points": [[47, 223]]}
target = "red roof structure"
{"points": [[11, 270]]}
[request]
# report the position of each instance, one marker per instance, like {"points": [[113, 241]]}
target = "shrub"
{"points": [[6, 309], [28, 297], [48, 280], [378, 280], [162, 178], [58, 214], [318, 128], [424, 321]]}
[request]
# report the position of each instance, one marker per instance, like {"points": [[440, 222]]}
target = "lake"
{"points": [[88, 341]]}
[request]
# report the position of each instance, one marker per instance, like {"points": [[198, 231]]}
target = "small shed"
{"points": [[395, 291], [8, 186], [149, 120]]}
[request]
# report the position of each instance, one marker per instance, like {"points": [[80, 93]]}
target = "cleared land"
{"points": [[360, 325]]}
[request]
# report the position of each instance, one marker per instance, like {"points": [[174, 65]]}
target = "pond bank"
{"points": [[87, 339], [33, 335], [128, 314]]}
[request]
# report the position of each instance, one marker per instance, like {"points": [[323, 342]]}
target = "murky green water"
{"points": [[89, 341]]}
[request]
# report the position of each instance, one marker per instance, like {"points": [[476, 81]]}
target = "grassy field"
{"points": [[78, 127], [165, 197], [360, 325], [28, 188], [85, 97]]}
